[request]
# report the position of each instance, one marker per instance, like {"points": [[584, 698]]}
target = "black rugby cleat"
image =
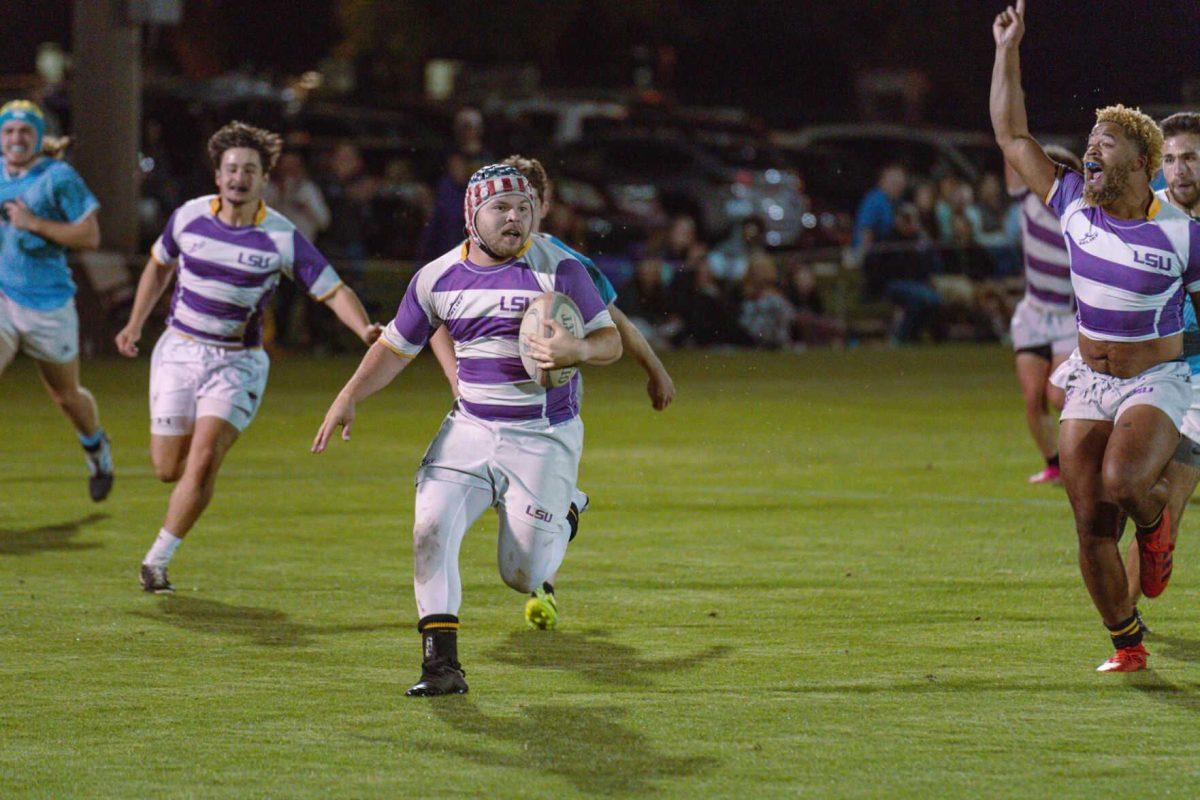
{"points": [[439, 679], [154, 579]]}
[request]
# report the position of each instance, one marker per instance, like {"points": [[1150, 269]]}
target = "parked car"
{"points": [[683, 175], [840, 163]]}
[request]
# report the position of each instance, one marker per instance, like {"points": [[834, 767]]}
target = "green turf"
{"points": [[817, 575]]}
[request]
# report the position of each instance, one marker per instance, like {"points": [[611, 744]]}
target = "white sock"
{"points": [[163, 548]]}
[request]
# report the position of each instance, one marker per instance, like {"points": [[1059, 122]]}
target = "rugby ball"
{"points": [[543, 308]]}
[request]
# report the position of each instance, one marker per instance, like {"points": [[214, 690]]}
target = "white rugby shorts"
{"points": [[51, 336], [529, 467], [1094, 395], [189, 379], [1035, 325], [1191, 418]]}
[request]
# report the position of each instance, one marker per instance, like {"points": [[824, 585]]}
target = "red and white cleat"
{"points": [[1155, 551], [1127, 659], [1048, 475]]}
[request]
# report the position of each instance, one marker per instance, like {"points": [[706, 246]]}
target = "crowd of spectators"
{"points": [[940, 251], [679, 288]]}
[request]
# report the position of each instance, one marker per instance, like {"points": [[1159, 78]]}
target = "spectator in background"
{"points": [[348, 191], [925, 201], [699, 300], [876, 218], [468, 135], [405, 203], [811, 325], [905, 275], [995, 233], [765, 314], [730, 259], [445, 227], [648, 304], [679, 242], [292, 193]]}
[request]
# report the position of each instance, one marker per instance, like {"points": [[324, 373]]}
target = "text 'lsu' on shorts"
{"points": [[51, 336], [529, 466], [189, 379], [1094, 395], [1039, 327]]}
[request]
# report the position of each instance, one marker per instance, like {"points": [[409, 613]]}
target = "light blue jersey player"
{"points": [[45, 210]]}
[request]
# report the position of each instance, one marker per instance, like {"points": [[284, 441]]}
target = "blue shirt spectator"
{"points": [[876, 218]]}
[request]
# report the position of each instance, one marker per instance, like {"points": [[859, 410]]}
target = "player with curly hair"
{"points": [[1126, 386], [208, 372]]}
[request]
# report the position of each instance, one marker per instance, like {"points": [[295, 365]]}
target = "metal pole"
{"points": [[106, 115]]}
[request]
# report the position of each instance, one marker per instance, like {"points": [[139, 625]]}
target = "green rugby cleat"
{"points": [[541, 609]]}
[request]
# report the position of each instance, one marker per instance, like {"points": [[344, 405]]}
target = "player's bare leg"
{"points": [[1033, 373], [169, 454], [209, 443], [1182, 479], [79, 406], [1082, 444]]}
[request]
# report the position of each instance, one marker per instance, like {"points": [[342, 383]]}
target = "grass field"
{"points": [[816, 575]]}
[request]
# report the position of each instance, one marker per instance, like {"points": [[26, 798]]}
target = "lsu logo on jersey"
{"points": [[517, 304], [256, 260], [1155, 259]]}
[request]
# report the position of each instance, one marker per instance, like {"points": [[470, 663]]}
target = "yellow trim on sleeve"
{"points": [[1155, 206], [331, 292], [383, 340]]}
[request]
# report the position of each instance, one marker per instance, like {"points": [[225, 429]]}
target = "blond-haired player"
{"points": [[1133, 258]]}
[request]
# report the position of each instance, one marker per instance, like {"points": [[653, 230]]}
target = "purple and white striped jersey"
{"points": [[226, 275], [1047, 263], [481, 308], [1129, 276]]}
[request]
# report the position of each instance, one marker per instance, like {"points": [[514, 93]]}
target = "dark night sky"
{"points": [[794, 61]]}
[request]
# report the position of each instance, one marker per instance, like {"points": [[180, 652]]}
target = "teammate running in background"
{"points": [[209, 370], [1043, 325], [541, 609], [508, 443], [45, 210], [1132, 259], [1181, 168]]}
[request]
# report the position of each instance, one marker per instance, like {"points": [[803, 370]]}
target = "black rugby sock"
{"points": [[439, 639], [1127, 633]]}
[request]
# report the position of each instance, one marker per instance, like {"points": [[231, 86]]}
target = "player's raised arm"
{"points": [[379, 367], [1007, 105]]}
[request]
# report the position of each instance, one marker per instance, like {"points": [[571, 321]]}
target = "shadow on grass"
{"points": [[267, 627], [1175, 647], [48, 537], [1186, 697], [587, 746], [593, 656]]}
